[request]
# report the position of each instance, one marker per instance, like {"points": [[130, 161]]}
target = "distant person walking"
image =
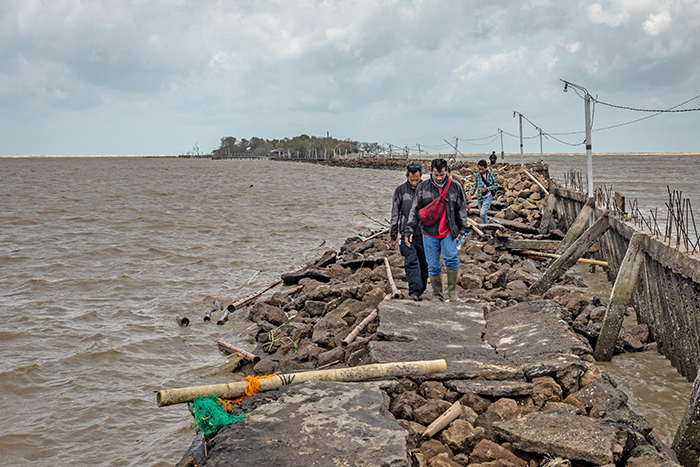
{"points": [[414, 261], [441, 210], [485, 186], [493, 158]]}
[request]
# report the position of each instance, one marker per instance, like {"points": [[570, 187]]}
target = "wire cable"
{"points": [[669, 110]]}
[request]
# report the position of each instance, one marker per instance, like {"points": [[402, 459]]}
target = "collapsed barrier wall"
{"points": [[667, 293], [666, 298]]}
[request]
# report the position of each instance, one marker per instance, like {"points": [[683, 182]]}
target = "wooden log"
{"points": [[385, 231], [620, 298], [291, 291], [443, 420], [244, 301], [578, 227], [233, 349], [525, 244], [182, 321], [166, 397], [536, 181], [547, 214], [216, 307], [394, 291], [358, 329], [515, 225], [570, 256], [553, 255], [475, 226]]}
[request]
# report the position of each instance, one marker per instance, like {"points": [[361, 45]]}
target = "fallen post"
{"points": [[182, 321], [685, 443], [233, 349], [244, 301], [620, 298], [553, 255], [360, 326], [570, 256], [443, 420], [525, 244], [168, 397], [216, 307], [291, 291], [475, 226], [536, 181], [578, 227], [385, 231], [394, 291]]}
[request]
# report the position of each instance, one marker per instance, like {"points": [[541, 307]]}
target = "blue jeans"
{"points": [[433, 246], [484, 205]]}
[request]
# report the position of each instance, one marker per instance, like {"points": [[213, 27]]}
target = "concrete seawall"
{"points": [[666, 297], [667, 294]]}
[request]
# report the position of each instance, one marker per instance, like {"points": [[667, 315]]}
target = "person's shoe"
{"points": [[452, 284], [436, 282], [416, 298]]}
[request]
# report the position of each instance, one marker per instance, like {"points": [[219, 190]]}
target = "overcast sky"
{"points": [[158, 77]]}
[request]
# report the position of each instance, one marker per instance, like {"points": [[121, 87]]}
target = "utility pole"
{"points": [[456, 144], [589, 146], [522, 159], [501, 133], [391, 156], [541, 153], [418, 149]]}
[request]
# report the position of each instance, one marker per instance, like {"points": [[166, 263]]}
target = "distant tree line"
{"points": [[298, 145]]}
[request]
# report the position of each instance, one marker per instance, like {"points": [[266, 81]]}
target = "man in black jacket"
{"points": [[413, 255], [440, 237]]}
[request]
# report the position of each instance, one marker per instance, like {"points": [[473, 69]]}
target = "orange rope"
{"points": [[253, 387]]}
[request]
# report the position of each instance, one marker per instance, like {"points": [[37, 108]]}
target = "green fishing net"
{"points": [[210, 416]]}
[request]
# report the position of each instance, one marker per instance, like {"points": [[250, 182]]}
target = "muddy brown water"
{"points": [[99, 255]]}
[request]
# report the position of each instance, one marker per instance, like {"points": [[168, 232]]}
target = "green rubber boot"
{"points": [[452, 284], [436, 282]]}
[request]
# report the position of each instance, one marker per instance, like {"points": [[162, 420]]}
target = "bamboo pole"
{"points": [[385, 231], [233, 349], [535, 180], [394, 291], [358, 329], [474, 226], [443, 420], [167, 397], [244, 301], [553, 255], [291, 291]]}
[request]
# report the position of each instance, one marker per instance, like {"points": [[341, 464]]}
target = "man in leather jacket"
{"points": [[413, 256], [440, 237]]}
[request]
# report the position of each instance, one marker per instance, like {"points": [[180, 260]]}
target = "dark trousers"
{"points": [[415, 265]]}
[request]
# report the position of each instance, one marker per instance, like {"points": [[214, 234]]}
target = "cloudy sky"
{"points": [[158, 77]]}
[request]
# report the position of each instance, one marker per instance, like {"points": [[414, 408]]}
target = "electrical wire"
{"points": [[657, 111]]}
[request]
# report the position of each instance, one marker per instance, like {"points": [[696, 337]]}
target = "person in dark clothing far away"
{"points": [[485, 186], [413, 255], [493, 158], [441, 236]]}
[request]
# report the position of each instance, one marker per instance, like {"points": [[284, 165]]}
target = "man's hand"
{"points": [[393, 244], [408, 240], [484, 190]]}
